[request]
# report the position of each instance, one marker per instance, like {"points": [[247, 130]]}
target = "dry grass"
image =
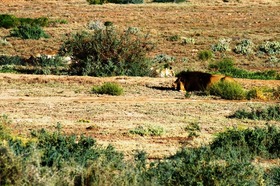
{"points": [[34, 102]]}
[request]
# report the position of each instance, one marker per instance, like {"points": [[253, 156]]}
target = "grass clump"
{"points": [[227, 90], [226, 66], [269, 113], [29, 32], [148, 131], [108, 52], [205, 55], [108, 88]]}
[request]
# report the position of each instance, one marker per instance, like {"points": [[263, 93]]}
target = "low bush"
{"points": [[205, 55], [226, 66], [247, 144], [223, 45], [10, 21], [245, 47], [269, 113], [108, 88], [227, 90], [34, 65], [10, 167], [148, 131], [28, 32], [107, 52], [270, 47], [58, 159]]}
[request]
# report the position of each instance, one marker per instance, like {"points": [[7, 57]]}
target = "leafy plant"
{"points": [[227, 90], [8, 21], [270, 47], [226, 66], [222, 46], [147, 131], [10, 167], [269, 113], [108, 88], [107, 52], [245, 47], [205, 55], [29, 32]]}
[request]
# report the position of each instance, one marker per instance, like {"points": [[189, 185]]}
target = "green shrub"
{"points": [[226, 66], [270, 113], [222, 46], [148, 131], [270, 47], [8, 21], [10, 60], [274, 176], [245, 47], [4, 130], [247, 144], [227, 90], [199, 167], [28, 32], [205, 55], [10, 168], [107, 52], [108, 88]]}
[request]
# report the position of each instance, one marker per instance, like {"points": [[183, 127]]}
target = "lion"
{"points": [[197, 81]]}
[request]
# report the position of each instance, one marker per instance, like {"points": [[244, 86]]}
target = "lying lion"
{"points": [[197, 81]]}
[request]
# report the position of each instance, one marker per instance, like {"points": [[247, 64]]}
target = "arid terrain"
{"points": [[39, 101]]}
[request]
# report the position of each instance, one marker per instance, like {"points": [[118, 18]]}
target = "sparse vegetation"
{"points": [[148, 130], [225, 161], [108, 52], [269, 113], [244, 47], [227, 90], [270, 47], [108, 88], [11, 21], [226, 66], [223, 45], [205, 55], [28, 32]]}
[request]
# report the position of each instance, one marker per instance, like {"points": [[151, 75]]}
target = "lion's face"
{"points": [[179, 85]]}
